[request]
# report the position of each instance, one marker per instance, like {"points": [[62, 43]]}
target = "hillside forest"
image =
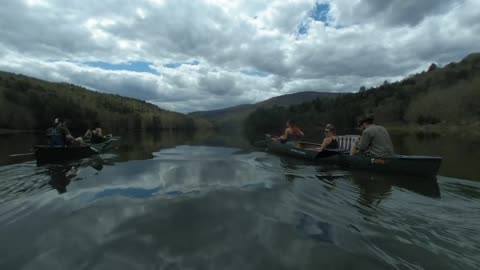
{"points": [[441, 97], [32, 104]]}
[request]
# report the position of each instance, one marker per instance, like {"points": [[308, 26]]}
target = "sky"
{"points": [[190, 55]]}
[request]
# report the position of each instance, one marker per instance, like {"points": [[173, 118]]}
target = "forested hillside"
{"points": [[29, 103], [448, 96]]}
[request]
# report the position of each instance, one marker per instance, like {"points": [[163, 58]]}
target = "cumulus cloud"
{"points": [[209, 54], [390, 12]]}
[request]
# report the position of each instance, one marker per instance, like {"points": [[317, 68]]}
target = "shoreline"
{"points": [[6, 131], [470, 129]]}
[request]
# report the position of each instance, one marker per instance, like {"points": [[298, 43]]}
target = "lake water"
{"points": [[210, 201]]}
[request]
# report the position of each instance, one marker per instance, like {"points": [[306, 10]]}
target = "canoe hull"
{"points": [[423, 166], [408, 165], [48, 154]]}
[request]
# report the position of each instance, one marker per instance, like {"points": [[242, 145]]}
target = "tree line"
{"points": [[438, 96], [29, 103]]}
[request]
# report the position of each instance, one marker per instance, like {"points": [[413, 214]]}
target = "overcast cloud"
{"points": [[189, 55]]}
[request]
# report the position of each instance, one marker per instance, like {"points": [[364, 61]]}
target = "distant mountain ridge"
{"points": [[296, 98], [234, 116]]}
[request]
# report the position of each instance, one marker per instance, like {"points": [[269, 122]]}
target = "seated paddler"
{"points": [[292, 133], [59, 135], [330, 141], [375, 141], [94, 134]]}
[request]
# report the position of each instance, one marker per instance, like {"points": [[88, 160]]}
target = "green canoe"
{"points": [[424, 166], [47, 154]]}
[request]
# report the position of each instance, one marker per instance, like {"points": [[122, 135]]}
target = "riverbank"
{"points": [[80, 132], [16, 131]]}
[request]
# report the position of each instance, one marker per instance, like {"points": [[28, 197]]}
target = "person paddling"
{"points": [[94, 134], [59, 135], [375, 140], [292, 133], [330, 141]]}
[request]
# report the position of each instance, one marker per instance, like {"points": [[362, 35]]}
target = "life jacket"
{"points": [[56, 137]]}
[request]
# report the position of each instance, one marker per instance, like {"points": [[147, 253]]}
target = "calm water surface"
{"points": [[185, 201]]}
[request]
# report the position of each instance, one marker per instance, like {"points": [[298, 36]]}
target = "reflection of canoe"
{"points": [[46, 154], [400, 164], [376, 184]]}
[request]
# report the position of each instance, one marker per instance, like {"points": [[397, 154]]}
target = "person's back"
{"points": [[96, 133], [294, 134], [97, 136], [376, 142], [56, 135]]}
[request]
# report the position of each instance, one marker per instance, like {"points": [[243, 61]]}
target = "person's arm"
{"points": [[87, 134], [285, 135], [364, 141], [281, 137], [68, 135], [325, 143], [354, 149], [66, 131], [99, 132]]}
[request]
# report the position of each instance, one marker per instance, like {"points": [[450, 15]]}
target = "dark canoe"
{"points": [[409, 165], [424, 166], [47, 154]]}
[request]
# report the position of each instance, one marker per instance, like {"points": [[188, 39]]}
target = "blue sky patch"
{"points": [[303, 28], [136, 66], [320, 12], [177, 65]]}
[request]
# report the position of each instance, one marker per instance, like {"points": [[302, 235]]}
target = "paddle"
{"points": [[95, 149], [263, 143], [22, 154], [102, 146]]}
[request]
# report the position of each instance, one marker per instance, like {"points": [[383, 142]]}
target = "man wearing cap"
{"points": [[375, 140]]}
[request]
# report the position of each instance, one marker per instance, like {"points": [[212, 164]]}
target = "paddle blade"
{"points": [[22, 155]]}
